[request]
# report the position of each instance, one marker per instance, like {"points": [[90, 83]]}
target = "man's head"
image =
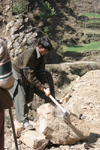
{"points": [[44, 46]]}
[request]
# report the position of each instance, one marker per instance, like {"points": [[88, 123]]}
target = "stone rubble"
{"points": [[56, 129]]}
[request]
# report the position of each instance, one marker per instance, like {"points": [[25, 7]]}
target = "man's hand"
{"points": [[41, 87], [47, 92]]}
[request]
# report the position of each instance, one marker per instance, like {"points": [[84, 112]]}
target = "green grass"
{"points": [[90, 15], [91, 46]]}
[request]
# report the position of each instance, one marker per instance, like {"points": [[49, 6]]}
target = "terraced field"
{"points": [[88, 17]]}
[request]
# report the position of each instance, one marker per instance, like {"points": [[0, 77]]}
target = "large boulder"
{"points": [[58, 130], [85, 96]]}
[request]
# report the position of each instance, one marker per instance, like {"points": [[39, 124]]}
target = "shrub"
{"points": [[47, 30], [19, 7], [47, 11]]}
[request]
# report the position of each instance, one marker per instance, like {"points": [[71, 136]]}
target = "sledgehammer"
{"points": [[66, 113]]}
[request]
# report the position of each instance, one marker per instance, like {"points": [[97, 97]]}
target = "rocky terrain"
{"points": [[83, 103]]}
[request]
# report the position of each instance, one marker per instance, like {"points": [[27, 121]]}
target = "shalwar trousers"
{"points": [[22, 92]]}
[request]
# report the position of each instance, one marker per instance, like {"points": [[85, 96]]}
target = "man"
{"points": [[31, 77], [6, 82]]}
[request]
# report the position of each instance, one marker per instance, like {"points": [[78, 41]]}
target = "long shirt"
{"points": [[31, 64]]}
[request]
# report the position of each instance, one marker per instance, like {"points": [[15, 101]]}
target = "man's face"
{"points": [[43, 51]]}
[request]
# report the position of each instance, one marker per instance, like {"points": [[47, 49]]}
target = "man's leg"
{"points": [[1, 129], [19, 95], [21, 104]]}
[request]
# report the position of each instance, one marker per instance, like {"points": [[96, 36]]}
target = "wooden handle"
{"points": [[52, 98]]}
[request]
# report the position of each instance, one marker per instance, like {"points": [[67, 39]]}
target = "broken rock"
{"points": [[58, 130], [34, 139]]}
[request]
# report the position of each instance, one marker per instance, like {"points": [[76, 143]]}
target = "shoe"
{"points": [[28, 126], [29, 106], [59, 101]]}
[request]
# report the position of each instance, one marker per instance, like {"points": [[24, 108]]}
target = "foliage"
{"points": [[91, 46], [92, 21], [19, 7], [41, 103], [47, 11], [91, 15], [47, 30]]}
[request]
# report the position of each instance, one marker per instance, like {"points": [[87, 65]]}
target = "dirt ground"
{"points": [[94, 139]]}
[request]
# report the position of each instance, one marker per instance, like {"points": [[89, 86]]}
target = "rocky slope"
{"points": [[22, 32]]}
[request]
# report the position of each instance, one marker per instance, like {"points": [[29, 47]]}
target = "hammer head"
{"points": [[66, 114]]}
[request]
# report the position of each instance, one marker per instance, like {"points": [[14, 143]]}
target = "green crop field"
{"points": [[90, 15], [91, 46]]}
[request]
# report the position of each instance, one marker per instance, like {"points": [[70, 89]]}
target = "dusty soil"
{"points": [[94, 139]]}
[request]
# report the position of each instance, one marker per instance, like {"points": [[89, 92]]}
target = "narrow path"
{"points": [[73, 63], [81, 62]]}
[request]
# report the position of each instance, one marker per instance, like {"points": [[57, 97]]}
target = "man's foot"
{"points": [[59, 101], [28, 126], [29, 106]]}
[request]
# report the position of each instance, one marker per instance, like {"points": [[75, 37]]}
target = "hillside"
{"points": [[92, 23], [67, 29]]}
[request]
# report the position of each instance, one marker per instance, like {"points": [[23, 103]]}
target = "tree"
{"points": [[47, 11], [20, 7]]}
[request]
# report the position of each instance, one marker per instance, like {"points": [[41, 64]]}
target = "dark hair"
{"points": [[45, 43]]}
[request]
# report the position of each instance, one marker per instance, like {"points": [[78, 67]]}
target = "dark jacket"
{"points": [[31, 65]]}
